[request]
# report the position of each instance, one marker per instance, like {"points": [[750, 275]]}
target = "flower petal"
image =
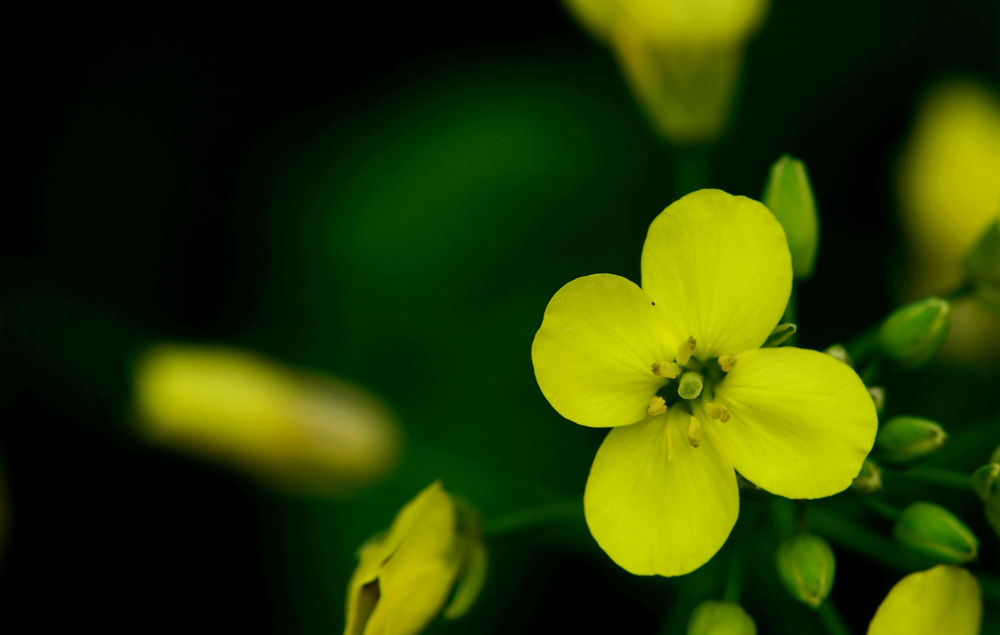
{"points": [[945, 599], [802, 422], [594, 352], [655, 515], [720, 267]]}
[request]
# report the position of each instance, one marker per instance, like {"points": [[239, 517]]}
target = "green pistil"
{"points": [[690, 385]]}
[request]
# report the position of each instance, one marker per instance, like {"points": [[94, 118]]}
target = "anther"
{"points": [[694, 432], [717, 412], [657, 406], [686, 350], [670, 370], [727, 362], [690, 385]]}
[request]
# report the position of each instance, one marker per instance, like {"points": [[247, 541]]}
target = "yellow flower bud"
{"points": [[682, 57], [293, 428], [720, 618], [806, 567], [405, 576]]}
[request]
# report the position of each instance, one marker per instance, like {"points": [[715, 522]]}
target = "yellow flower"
{"points": [[405, 576], [949, 192], [682, 57], [676, 369], [294, 428], [945, 599]]}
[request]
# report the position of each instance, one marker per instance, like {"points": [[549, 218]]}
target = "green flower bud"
{"points": [[781, 334], [995, 457], [986, 482], [720, 618], [914, 334], [933, 532], [983, 266], [869, 480], [789, 196], [839, 353], [878, 397], [904, 441], [806, 567]]}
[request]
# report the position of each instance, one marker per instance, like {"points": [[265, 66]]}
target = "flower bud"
{"points": [[405, 576], [986, 482], [806, 567], [983, 266], [933, 532], [720, 618], [789, 196], [781, 334], [904, 441], [878, 398], [869, 480], [839, 353], [914, 334]]}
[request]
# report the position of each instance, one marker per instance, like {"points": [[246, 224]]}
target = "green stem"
{"points": [[880, 507], [830, 616], [529, 518], [690, 170], [938, 476], [734, 583], [860, 539]]}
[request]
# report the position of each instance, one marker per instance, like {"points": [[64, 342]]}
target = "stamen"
{"points": [[690, 385], [686, 350], [694, 431], [657, 406], [717, 412], [670, 370], [727, 362]]}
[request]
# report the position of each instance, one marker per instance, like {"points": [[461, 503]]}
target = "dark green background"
{"points": [[392, 195]]}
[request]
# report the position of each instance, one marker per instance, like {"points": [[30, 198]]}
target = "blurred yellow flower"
{"points": [[682, 57], [945, 599], [676, 368], [949, 192], [404, 577], [299, 429]]}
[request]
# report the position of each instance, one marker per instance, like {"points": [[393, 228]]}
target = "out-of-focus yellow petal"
{"points": [[304, 430], [403, 579], [594, 352], [945, 599], [719, 267], [702, 21], [654, 503], [948, 185], [802, 422]]}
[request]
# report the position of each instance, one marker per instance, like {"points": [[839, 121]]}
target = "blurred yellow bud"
{"points": [[682, 57], [949, 194], [945, 599], [806, 567], [869, 479], [405, 576], [299, 429]]}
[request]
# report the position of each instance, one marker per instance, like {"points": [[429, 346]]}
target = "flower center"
{"points": [[688, 379]]}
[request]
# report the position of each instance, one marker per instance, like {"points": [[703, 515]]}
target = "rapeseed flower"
{"points": [[406, 575], [676, 370], [945, 599]]}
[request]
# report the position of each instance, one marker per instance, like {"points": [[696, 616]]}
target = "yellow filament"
{"points": [[694, 431]]}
